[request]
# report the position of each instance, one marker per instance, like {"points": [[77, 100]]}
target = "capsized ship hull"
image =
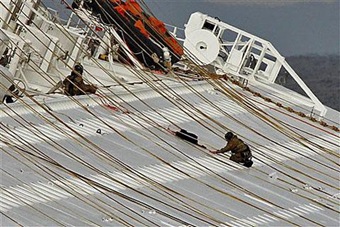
{"points": [[108, 159]]}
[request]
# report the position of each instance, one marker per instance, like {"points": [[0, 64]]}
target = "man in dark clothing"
{"points": [[240, 152], [74, 83], [4, 59]]}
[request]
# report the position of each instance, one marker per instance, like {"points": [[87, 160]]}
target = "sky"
{"points": [[294, 27]]}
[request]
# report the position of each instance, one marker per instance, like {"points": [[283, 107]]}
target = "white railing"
{"points": [[239, 53]]}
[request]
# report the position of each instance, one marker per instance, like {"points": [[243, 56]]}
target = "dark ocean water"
{"points": [[321, 74]]}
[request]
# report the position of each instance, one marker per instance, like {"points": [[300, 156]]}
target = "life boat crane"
{"points": [[209, 41]]}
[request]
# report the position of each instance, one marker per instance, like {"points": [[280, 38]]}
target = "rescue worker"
{"points": [[4, 60], [240, 152], [74, 83]]}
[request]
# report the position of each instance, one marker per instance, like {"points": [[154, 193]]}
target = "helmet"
{"points": [[79, 68], [228, 135]]}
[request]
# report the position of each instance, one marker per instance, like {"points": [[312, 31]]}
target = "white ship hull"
{"points": [[108, 159]]}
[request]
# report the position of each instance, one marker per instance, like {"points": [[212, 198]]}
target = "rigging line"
{"points": [[36, 70], [223, 111], [55, 142], [136, 201], [187, 111], [96, 182], [316, 136], [304, 139], [107, 14], [303, 189], [202, 97], [31, 206], [215, 173], [290, 102], [294, 178], [249, 106], [142, 125], [269, 157], [308, 157], [61, 30], [213, 187], [48, 47], [126, 34], [70, 190], [311, 125], [305, 197], [34, 35], [290, 109], [264, 155], [9, 217], [301, 155], [81, 161], [327, 198], [312, 143], [296, 170], [255, 207], [44, 214], [143, 17], [327, 194], [206, 99], [302, 115], [155, 33], [306, 122], [154, 111], [17, 138], [282, 128], [315, 144]]}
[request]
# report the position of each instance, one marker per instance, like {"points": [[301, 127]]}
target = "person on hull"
{"points": [[74, 83], [240, 151]]}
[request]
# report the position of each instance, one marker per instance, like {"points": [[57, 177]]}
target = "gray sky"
{"points": [[294, 27]]}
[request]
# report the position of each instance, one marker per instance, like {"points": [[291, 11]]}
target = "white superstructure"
{"points": [[238, 53]]}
